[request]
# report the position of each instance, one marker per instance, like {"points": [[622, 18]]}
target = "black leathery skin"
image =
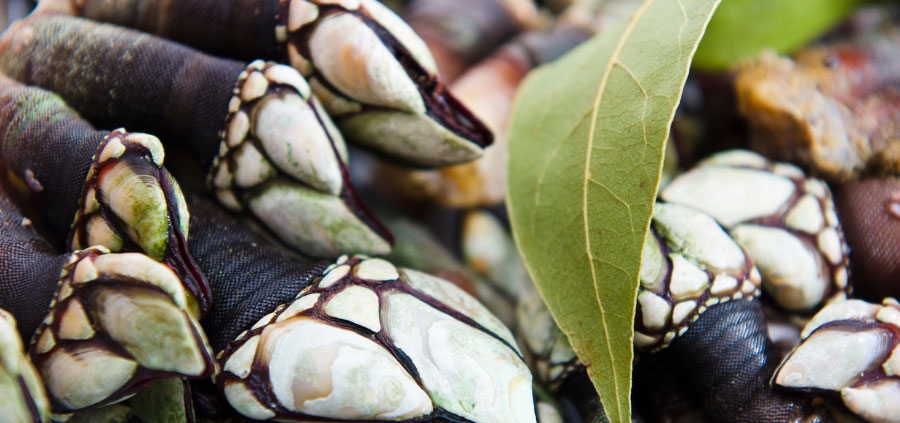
{"points": [[579, 400], [727, 361], [242, 29], [49, 147], [249, 277], [869, 211], [114, 77], [29, 270]]}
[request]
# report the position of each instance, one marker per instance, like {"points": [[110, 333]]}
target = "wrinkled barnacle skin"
{"points": [[102, 325], [851, 347], [255, 127], [291, 335], [870, 213], [726, 360], [128, 201], [372, 72], [785, 220], [22, 396]]}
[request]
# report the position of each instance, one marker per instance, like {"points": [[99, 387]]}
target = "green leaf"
{"points": [[586, 149], [742, 28]]}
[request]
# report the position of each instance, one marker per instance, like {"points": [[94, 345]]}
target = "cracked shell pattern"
{"points": [[363, 361], [680, 280], [850, 347], [781, 217], [275, 127], [95, 345]]}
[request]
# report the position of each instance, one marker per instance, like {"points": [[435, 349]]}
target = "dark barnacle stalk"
{"points": [[256, 129], [103, 325], [870, 213], [22, 396], [109, 187], [357, 339], [374, 75]]}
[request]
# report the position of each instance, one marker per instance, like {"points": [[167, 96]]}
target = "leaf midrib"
{"points": [[614, 59]]}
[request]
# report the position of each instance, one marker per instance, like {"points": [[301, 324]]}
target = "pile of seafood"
{"points": [[183, 237]]}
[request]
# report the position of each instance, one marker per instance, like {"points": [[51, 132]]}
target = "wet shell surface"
{"points": [[851, 347], [785, 220], [383, 344], [689, 263]]}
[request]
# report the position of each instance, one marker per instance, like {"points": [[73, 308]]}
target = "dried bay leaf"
{"points": [[586, 149]]}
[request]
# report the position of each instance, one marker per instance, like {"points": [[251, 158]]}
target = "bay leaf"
{"points": [[586, 148]]}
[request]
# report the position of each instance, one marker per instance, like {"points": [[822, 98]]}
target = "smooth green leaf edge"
{"points": [[618, 407]]}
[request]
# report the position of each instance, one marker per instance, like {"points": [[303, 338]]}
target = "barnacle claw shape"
{"points": [[117, 322], [368, 341], [689, 263], [22, 396], [280, 151], [378, 80], [131, 203], [851, 347], [785, 220]]}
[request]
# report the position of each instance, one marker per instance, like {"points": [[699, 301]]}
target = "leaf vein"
{"points": [[626, 35]]}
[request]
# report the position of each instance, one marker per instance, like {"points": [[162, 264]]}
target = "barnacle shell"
{"points": [[22, 396], [689, 263], [851, 347], [785, 221], [318, 224], [275, 126], [364, 67], [377, 79], [117, 321], [378, 343]]}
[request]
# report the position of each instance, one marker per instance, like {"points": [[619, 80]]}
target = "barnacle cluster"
{"points": [[115, 278]]}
